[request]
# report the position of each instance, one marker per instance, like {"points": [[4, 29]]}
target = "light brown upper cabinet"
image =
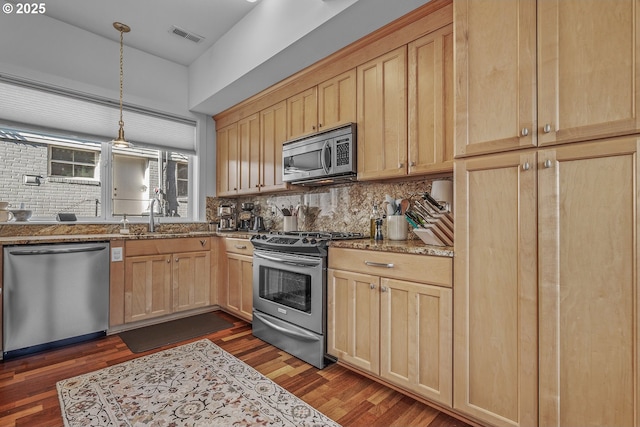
{"points": [[430, 72], [227, 160], [337, 101], [578, 82], [382, 116], [330, 104], [302, 113], [249, 154], [273, 132]]}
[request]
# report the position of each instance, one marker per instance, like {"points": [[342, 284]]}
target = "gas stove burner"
{"points": [[300, 241]]}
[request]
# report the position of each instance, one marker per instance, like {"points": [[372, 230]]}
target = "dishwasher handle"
{"points": [[56, 251]]}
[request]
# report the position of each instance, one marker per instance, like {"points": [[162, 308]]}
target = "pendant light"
{"points": [[120, 141]]}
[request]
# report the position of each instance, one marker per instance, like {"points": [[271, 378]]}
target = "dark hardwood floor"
{"points": [[28, 395]]}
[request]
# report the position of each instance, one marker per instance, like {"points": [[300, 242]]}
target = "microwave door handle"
{"points": [[325, 148]]}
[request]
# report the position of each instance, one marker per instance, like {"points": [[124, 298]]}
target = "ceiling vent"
{"points": [[185, 34]]}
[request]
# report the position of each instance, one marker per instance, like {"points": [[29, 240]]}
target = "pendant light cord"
{"points": [[121, 123]]}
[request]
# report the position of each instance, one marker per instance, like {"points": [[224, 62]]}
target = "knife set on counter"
{"points": [[432, 217]]}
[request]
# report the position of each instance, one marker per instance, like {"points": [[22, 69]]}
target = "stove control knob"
{"points": [[313, 241], [305, 240], [264, 237]]}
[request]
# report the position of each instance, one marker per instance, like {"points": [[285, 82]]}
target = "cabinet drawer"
{"points": [[166, 246], [238, 246], [416, 268]]}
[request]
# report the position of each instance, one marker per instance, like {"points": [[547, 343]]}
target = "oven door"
{"points": [[290, 287]]}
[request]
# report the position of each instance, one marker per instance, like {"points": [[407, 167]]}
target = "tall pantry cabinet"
{"points": [[546, 305]]}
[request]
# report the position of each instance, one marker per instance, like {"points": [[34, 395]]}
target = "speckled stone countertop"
{"points": [[95, 234], [416, 247]]}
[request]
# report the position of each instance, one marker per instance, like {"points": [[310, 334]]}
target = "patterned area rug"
{"points": [[197, 384]]}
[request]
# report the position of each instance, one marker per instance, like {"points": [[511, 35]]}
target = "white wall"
{"points": [[279, 38], [40, 48]]}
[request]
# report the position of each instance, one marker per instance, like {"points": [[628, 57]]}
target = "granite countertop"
{"points": [[416, 247], [404, 246], [79, 238]]}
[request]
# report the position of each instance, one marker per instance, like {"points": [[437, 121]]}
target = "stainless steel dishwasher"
{"points": [[54, 294]]}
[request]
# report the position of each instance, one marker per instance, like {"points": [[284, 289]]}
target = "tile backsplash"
{"points": [[342, 207]]}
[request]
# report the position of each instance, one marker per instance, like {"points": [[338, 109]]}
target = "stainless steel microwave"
{"points": [[323, 158]]}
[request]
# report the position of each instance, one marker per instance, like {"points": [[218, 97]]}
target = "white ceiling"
{"points": [[151, 21]]}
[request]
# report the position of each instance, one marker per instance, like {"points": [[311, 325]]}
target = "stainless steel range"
{"points": [[290, 291]]}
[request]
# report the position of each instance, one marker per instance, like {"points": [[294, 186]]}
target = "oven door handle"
{"points": [[306, 336], [297, 263]]}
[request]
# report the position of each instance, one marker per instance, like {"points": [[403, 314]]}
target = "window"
{"points": [[91, 179], [67, 162], [182, 178]]}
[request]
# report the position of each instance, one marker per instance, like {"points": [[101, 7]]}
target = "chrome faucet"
{"points": [[152, 220]]}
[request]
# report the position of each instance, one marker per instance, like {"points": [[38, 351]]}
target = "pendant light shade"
{"points": [[120, 141]]}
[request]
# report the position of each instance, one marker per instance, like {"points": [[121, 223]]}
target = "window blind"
{"points": [[36, 107]]}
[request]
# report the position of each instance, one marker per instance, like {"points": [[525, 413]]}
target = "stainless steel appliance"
{"points": [[54, 294], [290, 291], [245, 217], [323, 158], [227, 214]]}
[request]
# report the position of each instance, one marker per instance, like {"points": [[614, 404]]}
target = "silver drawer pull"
{"points": [[240, 246], [378, 264]]}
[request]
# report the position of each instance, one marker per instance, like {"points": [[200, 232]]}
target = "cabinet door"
{"points": [[302, 113], [415, 338], [588, 222], [353, 319], [273, 132], [495, 75], [191, 280], [227, 160], [337, 101], [588, 69], [147, 287], [249, 154], [382, 116], [430, 73], [240, 285], [495, 301]]}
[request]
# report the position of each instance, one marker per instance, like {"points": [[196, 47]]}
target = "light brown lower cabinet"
{"points": [[164, 276], [396, 329], [236, 287], [546, 323]]}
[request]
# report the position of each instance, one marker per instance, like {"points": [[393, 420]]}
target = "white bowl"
{"points": [[427, 236], [21, 214]]}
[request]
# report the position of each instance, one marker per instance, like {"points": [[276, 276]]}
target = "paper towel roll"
{"points": [[442, 191]]}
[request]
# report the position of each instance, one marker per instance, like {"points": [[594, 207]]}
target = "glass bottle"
{"points": [[124, 225], [375, 214]]}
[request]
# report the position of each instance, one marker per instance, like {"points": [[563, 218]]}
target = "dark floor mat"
{"points": [[154, 336]]}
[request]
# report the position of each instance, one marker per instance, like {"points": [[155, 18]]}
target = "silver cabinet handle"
{"points": [[412, 164], [547, 128], [378, 264], [400, 165], [168, 260], [177, 259], [524, 131], [547, 163], [240, 246], [372, 286], [384, 289], [526, 166]]}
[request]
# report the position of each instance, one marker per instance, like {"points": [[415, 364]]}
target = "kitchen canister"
{"points": [[397, 227], [290, 223]]}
